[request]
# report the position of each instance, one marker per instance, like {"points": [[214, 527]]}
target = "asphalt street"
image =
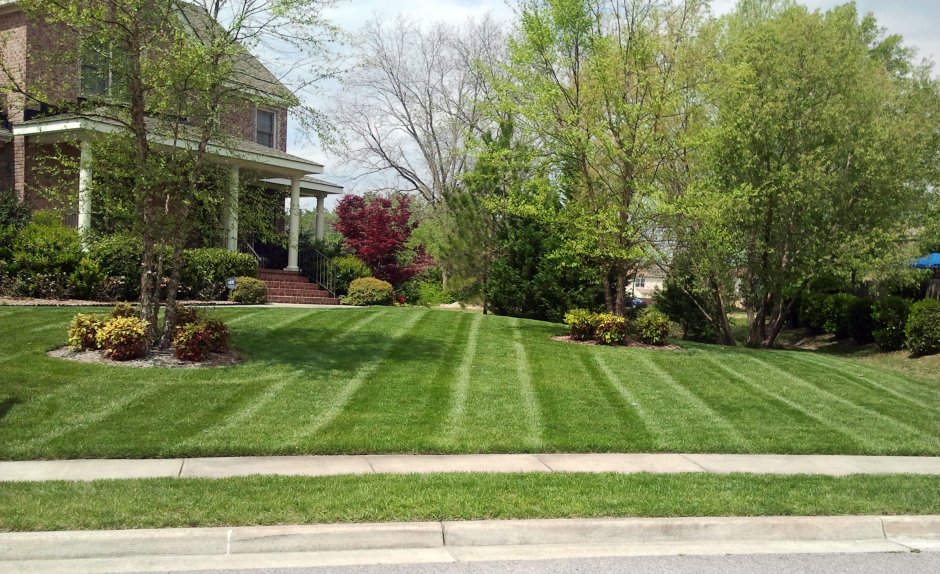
{"points": [[726, 564]]}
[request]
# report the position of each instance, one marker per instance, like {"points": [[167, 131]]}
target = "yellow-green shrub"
{"points": [[652, 327], [369, 291], [83, 332], [611, 329], [123, 338], [583, 324], [249, 291]]}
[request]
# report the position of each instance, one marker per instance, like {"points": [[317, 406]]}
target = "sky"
{"points": [[915, 20]]}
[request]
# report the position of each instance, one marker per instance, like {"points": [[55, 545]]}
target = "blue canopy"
{"points": [[932, 260]]}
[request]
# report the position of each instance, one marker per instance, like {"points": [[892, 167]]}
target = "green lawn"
{"points": [[294, 500], [416, 380]]}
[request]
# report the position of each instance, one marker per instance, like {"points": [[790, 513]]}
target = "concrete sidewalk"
{"points": [[829, 465], [180, 549]]}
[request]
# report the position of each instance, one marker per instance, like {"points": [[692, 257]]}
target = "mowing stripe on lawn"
{"points": [[269, 394], [524, 373], [829, 423], [890, 423], [241, 318], [864, 382], [462, 383], [652, 423], [846, 365], [92, 417], [727, 428], [339, 402], [290, 320]]}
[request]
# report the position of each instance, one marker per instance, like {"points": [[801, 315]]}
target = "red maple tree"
{"points": [[377, 230]]}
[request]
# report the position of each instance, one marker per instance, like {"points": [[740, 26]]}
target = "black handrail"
{"points": [[319, 268]]}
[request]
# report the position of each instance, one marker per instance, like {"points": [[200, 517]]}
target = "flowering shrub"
{"points": [[611, 329], [124, 310], [583, 324], [123, 338], [652, 327], [83, 332]]}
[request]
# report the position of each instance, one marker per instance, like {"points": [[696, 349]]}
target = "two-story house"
{"points": [[257, 126]]}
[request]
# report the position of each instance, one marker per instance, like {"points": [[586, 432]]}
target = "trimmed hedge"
{"points": [[249, 291], [860, 320], [923, 328], [889, 319], [206, 269], [813, 312], [836, 314], [369, 291], [349, 268]]}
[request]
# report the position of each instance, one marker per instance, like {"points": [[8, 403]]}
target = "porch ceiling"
{"points": [[247, 155], [309, 186]]}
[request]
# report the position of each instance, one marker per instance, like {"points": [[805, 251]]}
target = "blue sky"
{"points": [[916, 20]]}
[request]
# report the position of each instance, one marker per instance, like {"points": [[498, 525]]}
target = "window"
{"points": [[640, 281], [96, 75], [265, 123]]}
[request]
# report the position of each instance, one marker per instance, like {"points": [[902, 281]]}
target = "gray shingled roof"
{"points": [[249, 71], [312, 179]]}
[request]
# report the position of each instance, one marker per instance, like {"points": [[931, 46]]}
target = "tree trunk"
{"points": [[725, 334], [169, 319], [148, 286], [620, 306]]}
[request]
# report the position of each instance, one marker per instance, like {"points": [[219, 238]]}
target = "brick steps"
{"points": [[292, 287]]}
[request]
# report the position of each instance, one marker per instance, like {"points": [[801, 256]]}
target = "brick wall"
{"points": [[13, 53], [239, 121], [6, 167], [52, 63]]}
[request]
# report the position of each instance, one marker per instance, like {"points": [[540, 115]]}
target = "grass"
{"points": [[294, 500], [416, 380]]}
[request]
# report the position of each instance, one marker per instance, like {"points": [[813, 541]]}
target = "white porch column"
{"points": [[84, 194], [294, 242], [230, 211], [320, 207]]}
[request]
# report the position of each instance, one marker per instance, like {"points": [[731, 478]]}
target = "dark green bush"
{"points": [[118, 257], [369, 291], [583, 324], [836, 314], [83, 332], [249, 291], [652, 327], [681, 309], [86, 280], [349, 268], [923, 328], [889, 318], [123, 338], [813, 312], [861, 324], [611, 329], [45, 254], [206, 269]]}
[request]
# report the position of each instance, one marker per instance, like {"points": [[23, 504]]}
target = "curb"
{"points": [[901, 530]]}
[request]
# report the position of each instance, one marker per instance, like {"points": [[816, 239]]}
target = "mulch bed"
{"points": [[631, 344], [162, 359]]}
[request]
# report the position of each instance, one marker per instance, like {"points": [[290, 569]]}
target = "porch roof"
{"points": [[245, 154], [5, 135], [309, 186]]}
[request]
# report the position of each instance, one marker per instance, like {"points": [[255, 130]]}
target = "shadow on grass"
{"points": [[296, 349], [6, 405]]}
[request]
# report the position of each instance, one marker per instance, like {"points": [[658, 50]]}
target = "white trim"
{"points": [[308, 186], [252, 160]]}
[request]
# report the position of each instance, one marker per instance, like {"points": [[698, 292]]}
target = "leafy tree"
{"points": [[821, 148], [377, 229], [164, 71], [606, 88]]}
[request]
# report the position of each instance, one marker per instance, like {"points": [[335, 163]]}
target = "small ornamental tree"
{"points": [[377, 229]]}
